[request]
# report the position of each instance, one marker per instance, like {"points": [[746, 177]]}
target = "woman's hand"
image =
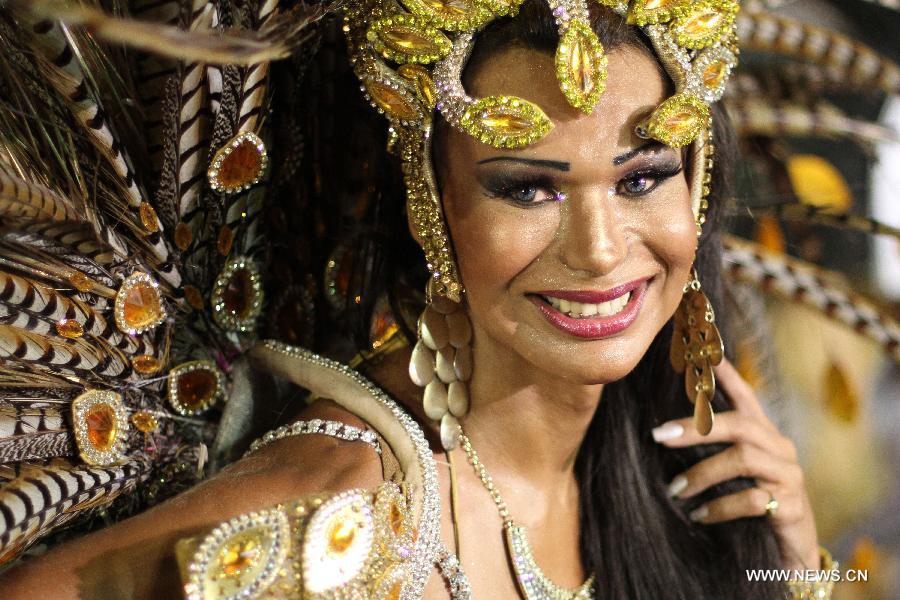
{"points": [[760, 451]]}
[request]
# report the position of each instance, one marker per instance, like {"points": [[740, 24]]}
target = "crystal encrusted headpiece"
{"points": [[410, 55]]}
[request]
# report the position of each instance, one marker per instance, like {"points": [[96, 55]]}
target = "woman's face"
{"points": [[577, 287]]}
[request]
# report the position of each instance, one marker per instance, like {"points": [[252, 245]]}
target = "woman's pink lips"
{"points": [[595, 327]]}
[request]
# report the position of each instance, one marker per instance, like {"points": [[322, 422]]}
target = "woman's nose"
{"points": [[592, 236]]}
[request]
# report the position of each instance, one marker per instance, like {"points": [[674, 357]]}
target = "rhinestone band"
{"points": [[334, 429]]}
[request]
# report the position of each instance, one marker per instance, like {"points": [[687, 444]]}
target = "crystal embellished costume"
{"points": [[138, 192]]}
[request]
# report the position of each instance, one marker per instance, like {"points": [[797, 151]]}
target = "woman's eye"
{"points": [[636, 186], [529, 194]]}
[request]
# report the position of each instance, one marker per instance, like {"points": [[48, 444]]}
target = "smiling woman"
{"points": [[565, 199]]}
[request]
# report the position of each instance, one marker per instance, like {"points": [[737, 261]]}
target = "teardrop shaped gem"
{"points": [[69, 329], [581, 66], [708, 22], [433, 329], [101, 422], [505, 122], [451, 15], [183, 236], [195, 386], [406, 38], [80, 281], [238, 164], [225, 240], [703, 414], [648, 12], [237, 295], [679, 120], [138, 305], [714, 75], [391, 101], [460, 329]]}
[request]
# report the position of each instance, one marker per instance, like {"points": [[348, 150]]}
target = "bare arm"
{"points": [[135, 558]]}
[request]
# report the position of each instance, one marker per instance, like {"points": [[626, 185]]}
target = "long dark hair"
{"points": [[638, 542]]}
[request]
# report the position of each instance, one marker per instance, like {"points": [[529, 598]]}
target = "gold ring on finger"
{"points": [[771, 505]]}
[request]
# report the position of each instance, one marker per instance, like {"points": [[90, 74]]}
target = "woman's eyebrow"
{"points": [[624, 158], [531, 162]]}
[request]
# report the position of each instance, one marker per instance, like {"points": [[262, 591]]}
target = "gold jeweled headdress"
{"points": [[410, 57]]}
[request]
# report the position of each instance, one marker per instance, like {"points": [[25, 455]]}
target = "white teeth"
{"points": [[579, 310]]}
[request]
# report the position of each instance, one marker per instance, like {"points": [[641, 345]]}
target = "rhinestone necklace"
{"points": [[533, 584]]}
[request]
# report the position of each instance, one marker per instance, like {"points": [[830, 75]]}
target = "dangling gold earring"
{"points": [[696, 348], [441, 362]]}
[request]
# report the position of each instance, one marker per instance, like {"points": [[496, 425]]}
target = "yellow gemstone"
{"points": [[682, 121], [183, 236], [658, 4], [144, 421], [702, 23], [141, 305], [148, 218], [406, 39], [391, 102], [424, 83], [145, 364], [714, 74], [341, 535], [238, 556], [193, 296], [394, 593], [507, 124], [100, 421], [449, 7], [69, 329], [80, 281], [226, 239]]}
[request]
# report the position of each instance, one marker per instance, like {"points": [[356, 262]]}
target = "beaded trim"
{"points": [[428, 544], [334, 429]]}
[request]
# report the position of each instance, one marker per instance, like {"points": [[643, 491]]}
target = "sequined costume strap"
{"points": [[334, 429]]}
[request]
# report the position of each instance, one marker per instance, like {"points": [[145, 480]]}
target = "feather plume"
{"points": [[846, 59], [802, 282], [807, 213]]}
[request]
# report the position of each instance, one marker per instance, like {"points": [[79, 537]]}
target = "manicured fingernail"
{"points": [[699, 514], [677, 485], [667, 431]]}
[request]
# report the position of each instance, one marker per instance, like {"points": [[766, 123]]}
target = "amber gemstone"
{"points": [[682, 121], [183, 236], [193, 296], [701, 24], [405, 39], [80, 281], [141, 306], [100, 420], [144, 421], [69, 328], [145, 364], [148, 218], [507, 124], [238, 556], [241, 167], [714, 74], [196, 389], [341, 535], [226, 239], [394, 593], [454, 7], [390, 101], [237, 296], [396, 518]]}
